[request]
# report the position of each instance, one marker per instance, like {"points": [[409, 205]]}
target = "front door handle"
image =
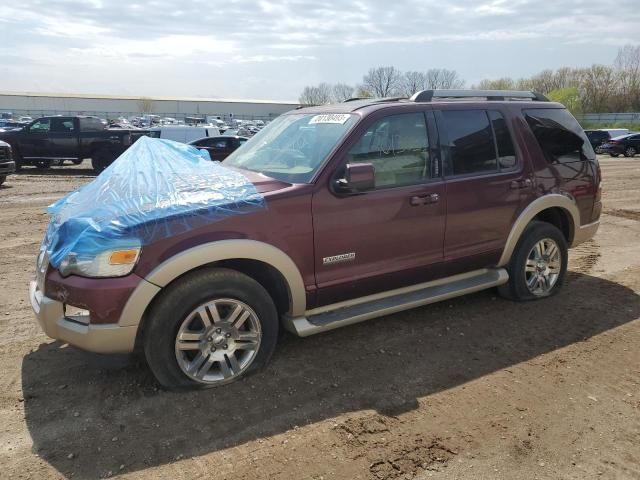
{"points": [[427, 199], [522, 183]]}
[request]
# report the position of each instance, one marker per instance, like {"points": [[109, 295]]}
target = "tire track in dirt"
{"points": [[623, 213]]}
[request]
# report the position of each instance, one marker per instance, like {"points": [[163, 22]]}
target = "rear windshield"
{"points": [[560, 136]]}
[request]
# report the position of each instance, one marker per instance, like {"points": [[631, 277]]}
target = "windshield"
{"points": [[292, 147]]}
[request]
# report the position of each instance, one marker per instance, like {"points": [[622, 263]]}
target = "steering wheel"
{"points": [[292, 157]]}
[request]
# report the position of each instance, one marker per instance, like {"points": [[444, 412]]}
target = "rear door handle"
{"points": [[522, 183], [427, 199]]}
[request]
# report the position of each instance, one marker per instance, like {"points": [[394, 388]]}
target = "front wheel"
{"points": [[210, 328], [629, 152], [538, 264]]}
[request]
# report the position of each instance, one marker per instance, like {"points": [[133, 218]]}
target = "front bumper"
{"points": [[107, 338], [7, 168]]}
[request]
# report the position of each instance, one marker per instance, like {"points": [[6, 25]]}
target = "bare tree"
{"points": [[442, 78], [319, 95], [382, 81], [627, 64], [146, 105], [412, 82], [505, 83], [597, 86], [342, 92]]}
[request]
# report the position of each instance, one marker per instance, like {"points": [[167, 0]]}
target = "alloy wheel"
{"points": [[218, 341], [542, 268]]}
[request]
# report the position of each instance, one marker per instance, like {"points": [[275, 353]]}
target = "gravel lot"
{"points": [[473, 388]]}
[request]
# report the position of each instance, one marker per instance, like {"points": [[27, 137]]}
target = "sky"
{"points": [[270, 50]]}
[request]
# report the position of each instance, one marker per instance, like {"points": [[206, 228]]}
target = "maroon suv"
{"points": [[372, 207]]}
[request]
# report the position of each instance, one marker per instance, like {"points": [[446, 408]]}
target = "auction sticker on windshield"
{"points": [[330, 118]]}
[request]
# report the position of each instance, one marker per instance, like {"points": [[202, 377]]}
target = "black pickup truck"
{"points": [[48, 140], [7, 165]]}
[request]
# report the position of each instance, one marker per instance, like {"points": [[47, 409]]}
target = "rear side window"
{"points": [[469, 143], [62, 125], [559, 135]]}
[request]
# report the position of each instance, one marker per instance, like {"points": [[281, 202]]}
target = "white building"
{"points": [[106, 106]]}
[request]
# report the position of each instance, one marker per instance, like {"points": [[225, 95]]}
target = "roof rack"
{"points": [[429, 95], [376, 99]]}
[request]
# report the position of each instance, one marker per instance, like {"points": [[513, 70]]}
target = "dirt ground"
{"points": [[478, 387]]}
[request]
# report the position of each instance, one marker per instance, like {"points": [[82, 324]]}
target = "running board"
{"points": [[347, 313]]}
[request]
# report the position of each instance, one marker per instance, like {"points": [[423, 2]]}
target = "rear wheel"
{"points": [[101, 159], [629, 152], [538, 264], [77, 161], [614, 154], [2, 179], [210, 328]]}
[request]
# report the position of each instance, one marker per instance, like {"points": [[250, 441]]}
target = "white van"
{"points": [[182, 133]]}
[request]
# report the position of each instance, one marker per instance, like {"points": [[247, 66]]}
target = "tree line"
{"points": [[594, 89]]}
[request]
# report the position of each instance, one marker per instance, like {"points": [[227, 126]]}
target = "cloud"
{"points": [[285, 36]]}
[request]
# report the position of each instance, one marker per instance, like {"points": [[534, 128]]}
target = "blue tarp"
{"points": [[154, 190]]}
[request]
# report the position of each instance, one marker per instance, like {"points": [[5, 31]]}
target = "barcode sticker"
{"points": [[330, 118]]}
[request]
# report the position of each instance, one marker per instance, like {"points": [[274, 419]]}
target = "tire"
{"points": [[179, 345], [615, 155], [629, 152], [519, 286], [2, 179], [77, 161], [101, 159]]}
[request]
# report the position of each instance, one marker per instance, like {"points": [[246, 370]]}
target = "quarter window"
{"points": [[469, 146], [397, 147], [559, 135]]}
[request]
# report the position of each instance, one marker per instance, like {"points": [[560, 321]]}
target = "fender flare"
{"points": [[553, 200], [212, 252]]}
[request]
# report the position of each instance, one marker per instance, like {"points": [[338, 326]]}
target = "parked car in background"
{"points": [[597, 138], [219, 147], [9, 125], [182, 133], [369, 207], [627, 145], [7, 165], [48, 141]]}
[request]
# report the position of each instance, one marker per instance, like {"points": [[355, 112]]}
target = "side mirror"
{"points": [[358, 177]]}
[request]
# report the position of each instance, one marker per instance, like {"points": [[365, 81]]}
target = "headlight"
{"points": [[110, 263]]}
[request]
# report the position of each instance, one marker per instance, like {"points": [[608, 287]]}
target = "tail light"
{"points": [[614, 141]]}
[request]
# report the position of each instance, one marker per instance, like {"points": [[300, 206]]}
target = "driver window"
{"points": [[397, 147], [40, 126]]}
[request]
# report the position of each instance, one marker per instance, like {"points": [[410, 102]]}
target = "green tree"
{"points": [[569, 97]]}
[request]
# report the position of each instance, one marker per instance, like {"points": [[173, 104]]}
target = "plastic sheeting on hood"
{"points": [[154, 190]]}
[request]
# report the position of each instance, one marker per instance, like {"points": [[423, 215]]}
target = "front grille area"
{"points": [[5, 153]]}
